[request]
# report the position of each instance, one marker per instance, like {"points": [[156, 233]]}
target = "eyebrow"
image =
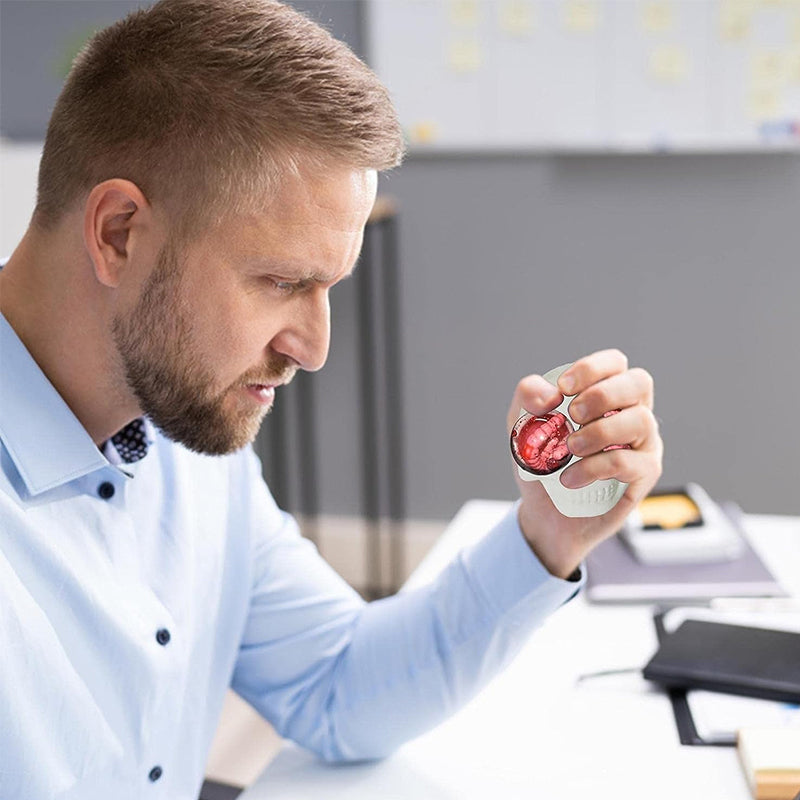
{"points": [[303, 275]]}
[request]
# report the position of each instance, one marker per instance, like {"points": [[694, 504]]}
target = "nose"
{"points": [[305, 338]]}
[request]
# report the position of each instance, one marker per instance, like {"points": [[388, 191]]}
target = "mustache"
{"points": [[280, 370]]}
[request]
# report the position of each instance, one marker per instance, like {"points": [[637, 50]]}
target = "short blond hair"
{"points": [[205, 104]]}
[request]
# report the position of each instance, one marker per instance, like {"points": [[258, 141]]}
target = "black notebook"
{"points": [[729, 658]]}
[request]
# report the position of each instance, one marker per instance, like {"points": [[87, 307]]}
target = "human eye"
{"points": [[286, 287]]}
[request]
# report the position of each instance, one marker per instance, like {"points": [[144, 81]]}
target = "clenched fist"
{"points": [[601, 383]]}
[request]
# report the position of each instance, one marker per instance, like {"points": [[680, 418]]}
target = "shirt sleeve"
{"points": [[351, 680]]}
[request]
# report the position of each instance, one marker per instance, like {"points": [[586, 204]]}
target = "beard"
{"points": [[166, 373]]}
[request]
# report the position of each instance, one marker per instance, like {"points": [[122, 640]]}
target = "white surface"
{"points": [[769, 749], [718, 717], [534, 733], [716, 539], [573, 75]]}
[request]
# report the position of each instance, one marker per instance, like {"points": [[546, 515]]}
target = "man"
{"points": [[207, 174]]}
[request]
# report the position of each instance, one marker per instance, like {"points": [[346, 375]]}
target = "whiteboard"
{"points": [[627, 75]]}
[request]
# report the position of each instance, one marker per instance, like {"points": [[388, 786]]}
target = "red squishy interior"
{"points": [[539, 444]]}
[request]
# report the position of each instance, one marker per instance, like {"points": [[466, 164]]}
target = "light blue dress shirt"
{"points": [[126, 614]]}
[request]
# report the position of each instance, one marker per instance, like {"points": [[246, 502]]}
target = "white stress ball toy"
{"points": [[539, 446]]}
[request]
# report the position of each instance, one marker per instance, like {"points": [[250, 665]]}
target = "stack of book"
{"points": [[618, 572]]}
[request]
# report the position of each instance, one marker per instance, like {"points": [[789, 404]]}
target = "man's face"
{"points": [[234, 314]]}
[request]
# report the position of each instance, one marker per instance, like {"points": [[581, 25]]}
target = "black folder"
{"points": [[755, 662]]}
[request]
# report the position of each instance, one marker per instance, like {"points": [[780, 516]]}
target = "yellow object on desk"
{"points": [[771, 761], [668, 511]]}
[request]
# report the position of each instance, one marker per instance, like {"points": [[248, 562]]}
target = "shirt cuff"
{"points": [[506, 571]]}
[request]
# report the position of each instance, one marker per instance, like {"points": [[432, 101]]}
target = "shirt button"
{"points": [[155, 774], [106, 490], [162, 636]]}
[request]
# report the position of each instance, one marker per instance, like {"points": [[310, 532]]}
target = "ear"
{"points": [[116, 213]]}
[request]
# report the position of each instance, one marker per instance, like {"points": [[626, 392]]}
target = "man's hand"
{"points": [[601, 382]]}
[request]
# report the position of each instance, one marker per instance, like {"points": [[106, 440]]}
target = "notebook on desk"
{"points": [[614, 575], [692, 731], [755, 662]]}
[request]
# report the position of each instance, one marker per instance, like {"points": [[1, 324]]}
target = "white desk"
{"points": [[534, 733]]}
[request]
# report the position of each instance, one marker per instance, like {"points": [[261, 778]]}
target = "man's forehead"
{"points": [[342, 194]]}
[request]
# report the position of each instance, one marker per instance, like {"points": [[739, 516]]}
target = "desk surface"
{"points": [[535, 733]]}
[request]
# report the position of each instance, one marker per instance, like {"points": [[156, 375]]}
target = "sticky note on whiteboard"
{"points": [[793, 65], [769, 66], [464, 13], [423, 132], [465, 55], [763, 103], [669, 63], [658, 16], [516, 17], [581, 15], [734, 21]]}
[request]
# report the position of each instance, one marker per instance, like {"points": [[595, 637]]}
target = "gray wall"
{"points": [[688, 263], [517, 264]]}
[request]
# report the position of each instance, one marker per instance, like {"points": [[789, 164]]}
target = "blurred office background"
{"points": [[515, 259]]}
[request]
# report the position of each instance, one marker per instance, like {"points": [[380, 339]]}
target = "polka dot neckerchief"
{"points": [[131, 441]]}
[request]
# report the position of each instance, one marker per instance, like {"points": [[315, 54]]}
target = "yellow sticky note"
{"points": [[423, 132], [517, 17], [658, 16], [793, 65], [464, 13], [794, 28], [669, 63], [763, 103], [581, 15], [734, 21], [768, 66], [465, 56]]}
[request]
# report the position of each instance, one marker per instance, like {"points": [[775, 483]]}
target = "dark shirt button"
{"points": [[162, 636], [106, 490], [155, 774]]}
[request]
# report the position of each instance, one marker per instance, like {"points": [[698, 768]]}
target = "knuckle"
{"points": [[652, 467], [600, 397], [522, 389], [644, 377], [645, 417], [619, 356]]}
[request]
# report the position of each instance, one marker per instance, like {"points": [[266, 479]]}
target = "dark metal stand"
{"points": [[382, 444], [212, 790]]}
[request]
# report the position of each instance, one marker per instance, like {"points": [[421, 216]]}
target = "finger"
{"points": [[636, 467], [535, 395], [591, 369], [634, 426], [632, 387]]}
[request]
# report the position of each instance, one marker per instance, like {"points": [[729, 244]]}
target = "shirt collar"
{"points": [[45, 440]]}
